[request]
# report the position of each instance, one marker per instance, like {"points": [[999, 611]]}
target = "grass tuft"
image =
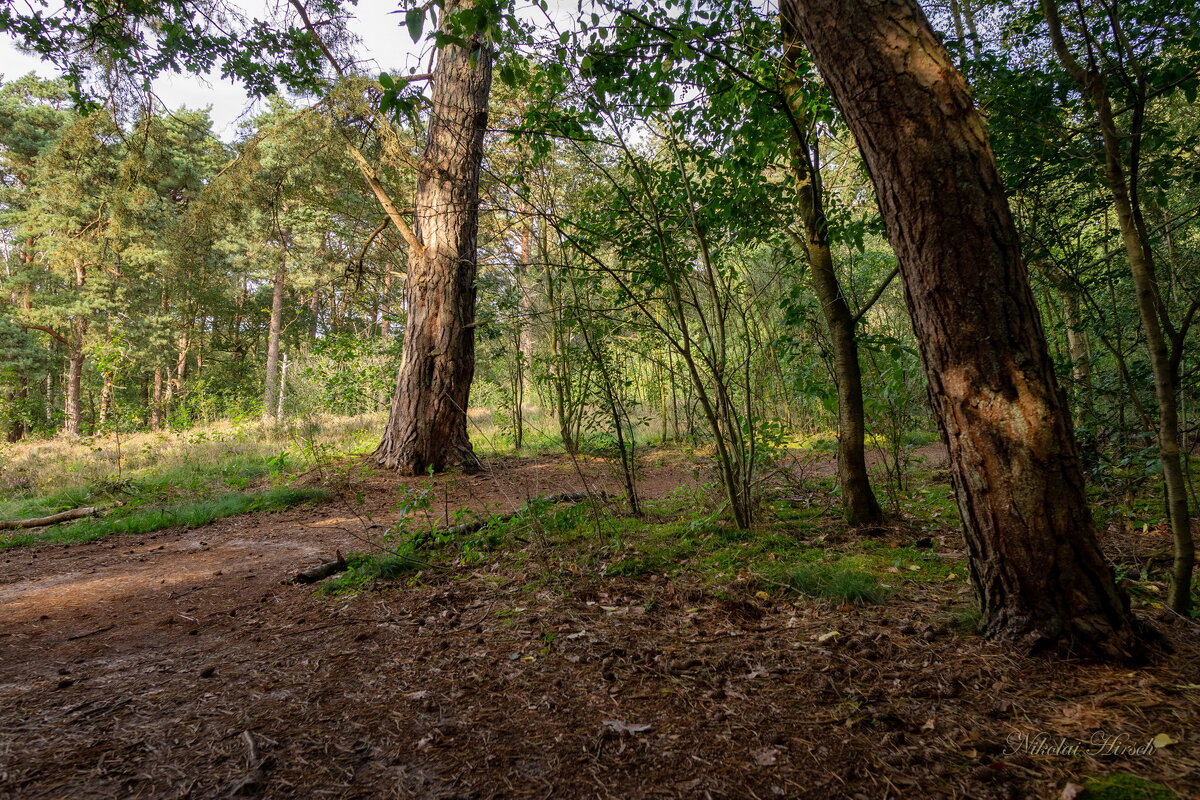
{"points": [[365, 570], [840, 583]]}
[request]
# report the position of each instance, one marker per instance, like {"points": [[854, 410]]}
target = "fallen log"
{"points": [[322, 571], [53, 519], [329, 568]]}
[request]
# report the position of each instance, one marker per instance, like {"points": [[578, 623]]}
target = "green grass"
{"points": [[139, 520], [839, 582], [148, 488], [672, 539], [1123, 786], [364, 570]]}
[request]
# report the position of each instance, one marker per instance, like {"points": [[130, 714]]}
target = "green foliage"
{"points": [[139, 520], [363, 571]]}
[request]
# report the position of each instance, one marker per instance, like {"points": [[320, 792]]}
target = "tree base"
{"points": [[409, 461]]}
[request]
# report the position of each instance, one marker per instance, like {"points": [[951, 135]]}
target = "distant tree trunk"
{"points": [[314, 310], [49, 405], [858, 500], [106, 390], [72, 407], [181, 363], [20, 399], [560, 381], [1081, 354], [526, 302], [156, 401], [271, 388], [79, 327], [1150, 310], [1041, 578], [427, 426]]}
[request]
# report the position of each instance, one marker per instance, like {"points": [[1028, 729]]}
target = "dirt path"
{"points": [[177, 665]]}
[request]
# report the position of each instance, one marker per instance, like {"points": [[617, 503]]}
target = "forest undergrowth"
{"points": [[675, 630]]}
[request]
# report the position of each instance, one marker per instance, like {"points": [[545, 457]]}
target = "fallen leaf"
{"points": [[825, 637], [625, 727], [762, 595], [1071, 791], [766, 756], [1163, 740], [930, 724]]}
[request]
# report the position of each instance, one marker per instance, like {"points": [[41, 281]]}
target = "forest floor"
{"points": [[181, 664]]}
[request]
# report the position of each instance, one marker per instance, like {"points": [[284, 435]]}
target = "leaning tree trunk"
{"points": [[1035, 561], [858, 500], [427, 426]]}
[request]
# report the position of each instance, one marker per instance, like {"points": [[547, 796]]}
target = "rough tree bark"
{"points": [[427, 426], [858, 500], [1041, 578]]}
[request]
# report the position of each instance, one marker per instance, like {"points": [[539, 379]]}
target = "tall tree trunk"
{"points": [[1041, 578], [79, 326], [156, 401], [181, 363], [858, 500], [427, 426], [72, 407], [526, 301], [1150, 310], [48, 406], [271, 384], [106, 390]]}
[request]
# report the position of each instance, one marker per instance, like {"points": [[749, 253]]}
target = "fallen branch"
{"points": [[322, 571], [90, 633], [53, 519]]}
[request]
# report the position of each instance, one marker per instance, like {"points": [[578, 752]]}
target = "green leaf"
{"points": [[414, 18]]}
